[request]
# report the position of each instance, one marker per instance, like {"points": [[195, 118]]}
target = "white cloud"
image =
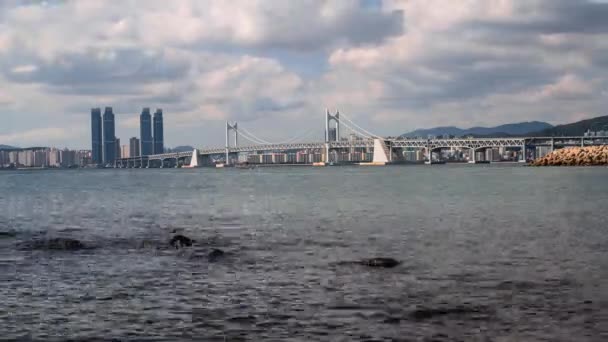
{"points": [[567, 86], [408, 64], [24, 69], [37, 136]]}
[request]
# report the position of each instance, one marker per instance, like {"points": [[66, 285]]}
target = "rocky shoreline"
{"points": [[575, 156]]}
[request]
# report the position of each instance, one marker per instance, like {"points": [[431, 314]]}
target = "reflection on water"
{"points": [[496, 252]]}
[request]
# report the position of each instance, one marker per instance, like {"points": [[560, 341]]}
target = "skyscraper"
{"points": [[109, 136], [159, 145], [96, 137], [145, 132], [134, 147], [118, 149]]}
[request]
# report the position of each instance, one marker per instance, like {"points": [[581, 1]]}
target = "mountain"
{"points": [[576, 128], [7, 147], [521, 128]]}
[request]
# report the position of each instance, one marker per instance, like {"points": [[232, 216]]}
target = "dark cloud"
{"points": [[359, 26], [549, 17]]}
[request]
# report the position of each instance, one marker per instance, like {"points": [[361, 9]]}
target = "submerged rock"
{"points": [[380, 262], [429, 313], [64, 244], [373, 262], [7, 234], [215, 254], [181, 241]]}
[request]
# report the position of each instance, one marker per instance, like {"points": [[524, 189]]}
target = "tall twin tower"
{"points": [[105, 145], [151, 143]]}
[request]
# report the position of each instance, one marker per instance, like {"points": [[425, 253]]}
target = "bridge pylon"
{"points": [[231, 127], [328, 118]]}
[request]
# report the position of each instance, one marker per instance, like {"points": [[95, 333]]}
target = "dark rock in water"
{"points": [[380, 262], [64, 244], [215, 254], [373, 262], [428, 313], [181, 241], [7, 234]]}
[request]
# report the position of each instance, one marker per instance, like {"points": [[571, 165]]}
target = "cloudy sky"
{"points": [[275, 65]]}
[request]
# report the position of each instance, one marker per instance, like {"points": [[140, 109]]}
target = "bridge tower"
{"points": [[331, 137], [231, 127], [328, 118]]}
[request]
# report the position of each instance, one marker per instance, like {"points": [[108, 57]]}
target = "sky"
{"points": [[274, 66]]}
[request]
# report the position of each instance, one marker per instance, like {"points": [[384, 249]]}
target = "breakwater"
{"points": [[575, 156]]}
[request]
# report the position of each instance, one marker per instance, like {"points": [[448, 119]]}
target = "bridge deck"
{"points": [[471, 143]]}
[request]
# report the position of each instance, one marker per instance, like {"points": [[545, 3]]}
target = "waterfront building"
{"points": [[332, 135], [26, 158], [278, 158], [254, 158], [40, 158], [83, 157], [96, 136], [109, 136], [68, 158], [492, 155], [54, 157], [118, 149], [159, 145], [124, 151], [291, 158], [542, 151], [134, 147], [13, 157], [145, 132]]}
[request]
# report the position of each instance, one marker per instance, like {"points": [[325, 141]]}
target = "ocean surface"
{"points": [[488, 252]]}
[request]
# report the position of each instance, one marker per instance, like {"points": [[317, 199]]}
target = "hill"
{"points": [[515, 129], [7, 147], [576, 128]]}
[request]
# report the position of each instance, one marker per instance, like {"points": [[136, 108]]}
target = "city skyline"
{"points": [[418, 64], [106, 146]]}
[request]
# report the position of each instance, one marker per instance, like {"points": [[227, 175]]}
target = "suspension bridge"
{"points": [[358, 146]]}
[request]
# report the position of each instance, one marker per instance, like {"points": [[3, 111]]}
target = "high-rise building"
{"points": [[109, 136], [134, 147], [159, 145], [332, 134], [68, 158], [145, 132], [124, 151], [118, 149], [96, 137]]}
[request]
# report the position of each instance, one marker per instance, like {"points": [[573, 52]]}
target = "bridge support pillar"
{"points": [[472, 156]]}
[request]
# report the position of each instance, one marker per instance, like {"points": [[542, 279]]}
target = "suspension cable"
{"points": [[244, 133], [253, 135], [362, 129], [259, 140], [356, 131]]}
